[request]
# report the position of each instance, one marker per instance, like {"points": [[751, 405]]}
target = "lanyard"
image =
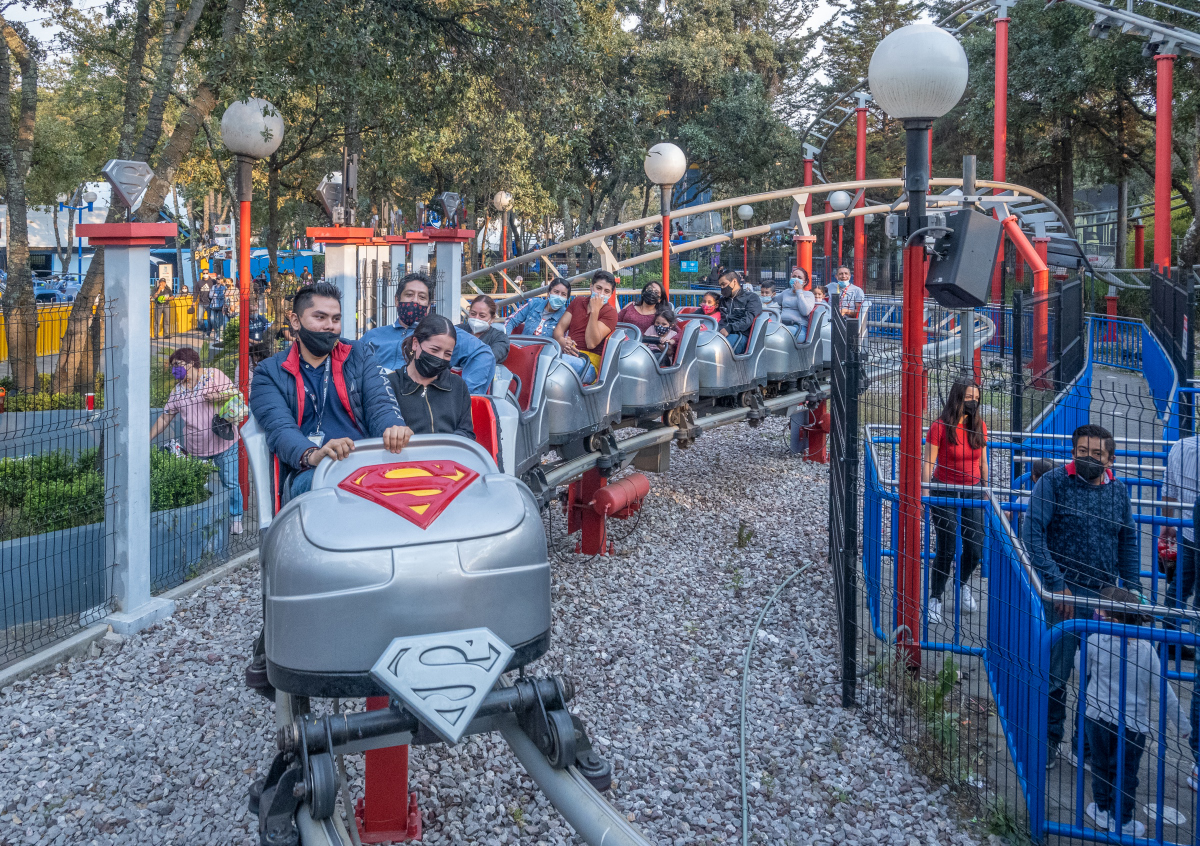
{"points": [[324, 396]]}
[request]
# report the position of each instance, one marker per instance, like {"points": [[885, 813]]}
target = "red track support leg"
{"points": [[1164, 102], [388, 813], [817, 430], [594, 537], [912, 391]]}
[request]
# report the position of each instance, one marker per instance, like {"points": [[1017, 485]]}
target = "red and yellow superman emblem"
{"points": [[418, 491]]}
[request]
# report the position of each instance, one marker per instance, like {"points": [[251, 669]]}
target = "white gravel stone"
{"points": [[155, 740]]}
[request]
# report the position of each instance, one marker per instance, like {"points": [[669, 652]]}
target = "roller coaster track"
{"points": [[1162, 38]]}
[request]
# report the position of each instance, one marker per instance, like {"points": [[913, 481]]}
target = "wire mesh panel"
{"points": [[54, 484], [990, 628]]}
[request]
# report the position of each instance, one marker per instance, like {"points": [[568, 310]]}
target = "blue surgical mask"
{"points": [[556, 301]]}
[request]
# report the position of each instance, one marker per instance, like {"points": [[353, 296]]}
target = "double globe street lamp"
{"points": [[917, 74], [665, 165], [840, 201], [252, 129], [503, 203], [744, 212]]}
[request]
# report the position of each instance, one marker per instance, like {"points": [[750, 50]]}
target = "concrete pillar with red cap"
{"points": [[127, 392], [420, 248], [397, 253], [448, 250], [341, 267]]}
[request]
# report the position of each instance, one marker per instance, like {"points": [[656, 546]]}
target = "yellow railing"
{"points": [[53, 319]]}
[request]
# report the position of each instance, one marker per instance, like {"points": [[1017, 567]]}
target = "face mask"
{"points": [[726, 290], [179, 372], [708, 308], [1088, 468], [318, 343], [555, 302], [477, 325], [970, 407], [650, 296], [410, 313], [661, 330], [429, 366]]}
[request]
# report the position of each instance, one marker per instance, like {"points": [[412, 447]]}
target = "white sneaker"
{"points": [[1194, 778], [967, 600], [1074, 761], [1133, 828], [235, 528], [935, 610], [1099, 817]]}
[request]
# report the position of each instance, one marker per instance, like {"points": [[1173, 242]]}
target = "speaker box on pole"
{"points": [[960, 272]]}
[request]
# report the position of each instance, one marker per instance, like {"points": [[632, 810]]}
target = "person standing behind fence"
{"points": [[203, 301], [161, 327], [1081, 539], [1181, 484], [1121, 687], [956, 454], [203, 396], [216, 307]]}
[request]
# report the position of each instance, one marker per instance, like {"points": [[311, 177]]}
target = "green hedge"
{"points": [[55, 490], [44, 399]]}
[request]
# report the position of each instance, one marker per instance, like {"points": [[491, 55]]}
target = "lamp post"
{"points": [[252, 129], [839, 201], [1139, 240], [503, 201], [665, 165], [916, 74], [88, 199], [745, 212]]}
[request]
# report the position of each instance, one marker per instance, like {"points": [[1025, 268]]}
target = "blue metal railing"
{"points": [[1016, 648], [1118, 342]]}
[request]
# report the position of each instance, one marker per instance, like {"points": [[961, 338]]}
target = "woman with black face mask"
{"points": [[431, 397], [956, 454], [641, 313]]}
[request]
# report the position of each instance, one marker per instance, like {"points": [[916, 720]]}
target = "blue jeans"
{"points": [[800, 332], [738, 342], [218, 319], [1062, 668], [301, 483], [582, 367], [1106, 779], [227, 472]]}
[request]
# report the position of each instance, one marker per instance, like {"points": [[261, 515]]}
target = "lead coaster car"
{"points": [[432, 540]]}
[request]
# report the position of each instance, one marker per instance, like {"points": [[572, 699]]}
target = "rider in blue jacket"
{"points": [[471, 356]]}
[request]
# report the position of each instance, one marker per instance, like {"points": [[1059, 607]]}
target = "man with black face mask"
{"points": [[1081, 539], [318, 397], [739, 308]]}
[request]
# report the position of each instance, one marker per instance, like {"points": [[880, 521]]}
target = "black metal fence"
{"points": [[1172, 308]]}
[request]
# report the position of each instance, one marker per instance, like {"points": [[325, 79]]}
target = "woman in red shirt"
{"points": [[956, 454]]}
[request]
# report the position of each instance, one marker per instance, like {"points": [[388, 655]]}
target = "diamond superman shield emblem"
{"points": [[418, 491], [443, 678]]}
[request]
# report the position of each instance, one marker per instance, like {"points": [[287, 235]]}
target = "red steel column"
{"points": [[666, 256], [911, 422], [804, 250], [1041, 312], [244, 333], [1000, 138], [828, 242], [860, 173], [504, 237], [1164, 102], [1139, 245], [388, 813], [593, 539]]}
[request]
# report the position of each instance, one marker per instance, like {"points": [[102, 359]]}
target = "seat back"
{"points": [[522, 361], [486, 425], [263, 467], [863, 311], [818, 308]]}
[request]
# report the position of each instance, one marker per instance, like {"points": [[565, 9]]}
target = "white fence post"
{"points": [[449, 247], [341, 267], [127, 389]]}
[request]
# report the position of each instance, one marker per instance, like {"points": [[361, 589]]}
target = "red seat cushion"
{"points": [[487, 431], [522, 361]]}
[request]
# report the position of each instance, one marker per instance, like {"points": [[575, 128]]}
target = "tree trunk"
{"points": [[1122, 221], [63, 257], [173, 42], [193, 234], [568, 233], [273, 168], [1068, 175], [16, 145]]}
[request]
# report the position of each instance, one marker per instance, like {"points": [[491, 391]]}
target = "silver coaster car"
{"points": [[575, 410], [722, 372], [649, 388], [433, 539], [785, 358], [521, 405]]}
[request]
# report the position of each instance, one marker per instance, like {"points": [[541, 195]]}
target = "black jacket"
{"points": [[443, 408], [738, 312], [498, 341]]}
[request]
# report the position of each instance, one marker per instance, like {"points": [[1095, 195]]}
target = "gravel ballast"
{"points": [[154, 739]]}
